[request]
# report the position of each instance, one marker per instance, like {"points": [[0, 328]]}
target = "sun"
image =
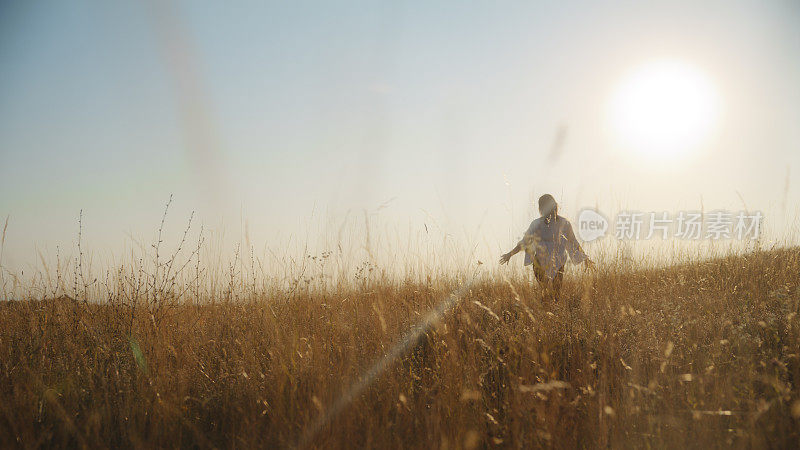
{"points": [[663, 110]]}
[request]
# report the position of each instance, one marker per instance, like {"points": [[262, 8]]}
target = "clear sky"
{"points": [[278, 114]]}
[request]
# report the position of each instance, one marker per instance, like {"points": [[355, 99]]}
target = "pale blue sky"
{"points": [[316, 106]]}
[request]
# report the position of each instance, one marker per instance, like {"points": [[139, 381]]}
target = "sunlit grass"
{"points": [[700, 353]]}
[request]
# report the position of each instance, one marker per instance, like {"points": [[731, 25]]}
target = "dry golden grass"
{"points": [[696, 355]]}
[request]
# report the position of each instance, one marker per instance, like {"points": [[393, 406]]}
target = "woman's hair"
{"points": [[547, 205]]}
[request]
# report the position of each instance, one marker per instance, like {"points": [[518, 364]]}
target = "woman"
{"points": [[547, 242]]}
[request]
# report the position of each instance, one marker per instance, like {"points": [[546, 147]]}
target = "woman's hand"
{"points": [[588, 264], [505, 257]]}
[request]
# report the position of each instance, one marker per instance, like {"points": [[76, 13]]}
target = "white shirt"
{"points": [[549, 243]]}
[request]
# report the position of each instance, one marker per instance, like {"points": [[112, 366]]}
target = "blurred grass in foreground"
{"points": [[704, 353]]}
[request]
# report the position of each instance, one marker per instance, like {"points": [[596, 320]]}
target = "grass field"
{"points": [[701, 354]]}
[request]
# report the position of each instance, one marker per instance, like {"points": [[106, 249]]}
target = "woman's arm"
{"points": [[527, 237], [576, 253], [506, 256]]}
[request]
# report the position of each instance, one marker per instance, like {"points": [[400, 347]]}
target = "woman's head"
{"points": [[547, 206]]}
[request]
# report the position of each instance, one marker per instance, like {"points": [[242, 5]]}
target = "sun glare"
{"points": [[663, 110]]}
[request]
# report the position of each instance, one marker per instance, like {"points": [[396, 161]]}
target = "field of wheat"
{"points": [[705, 353]]}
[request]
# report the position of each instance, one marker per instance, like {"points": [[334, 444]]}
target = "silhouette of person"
{"points": [[547, 242]]}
